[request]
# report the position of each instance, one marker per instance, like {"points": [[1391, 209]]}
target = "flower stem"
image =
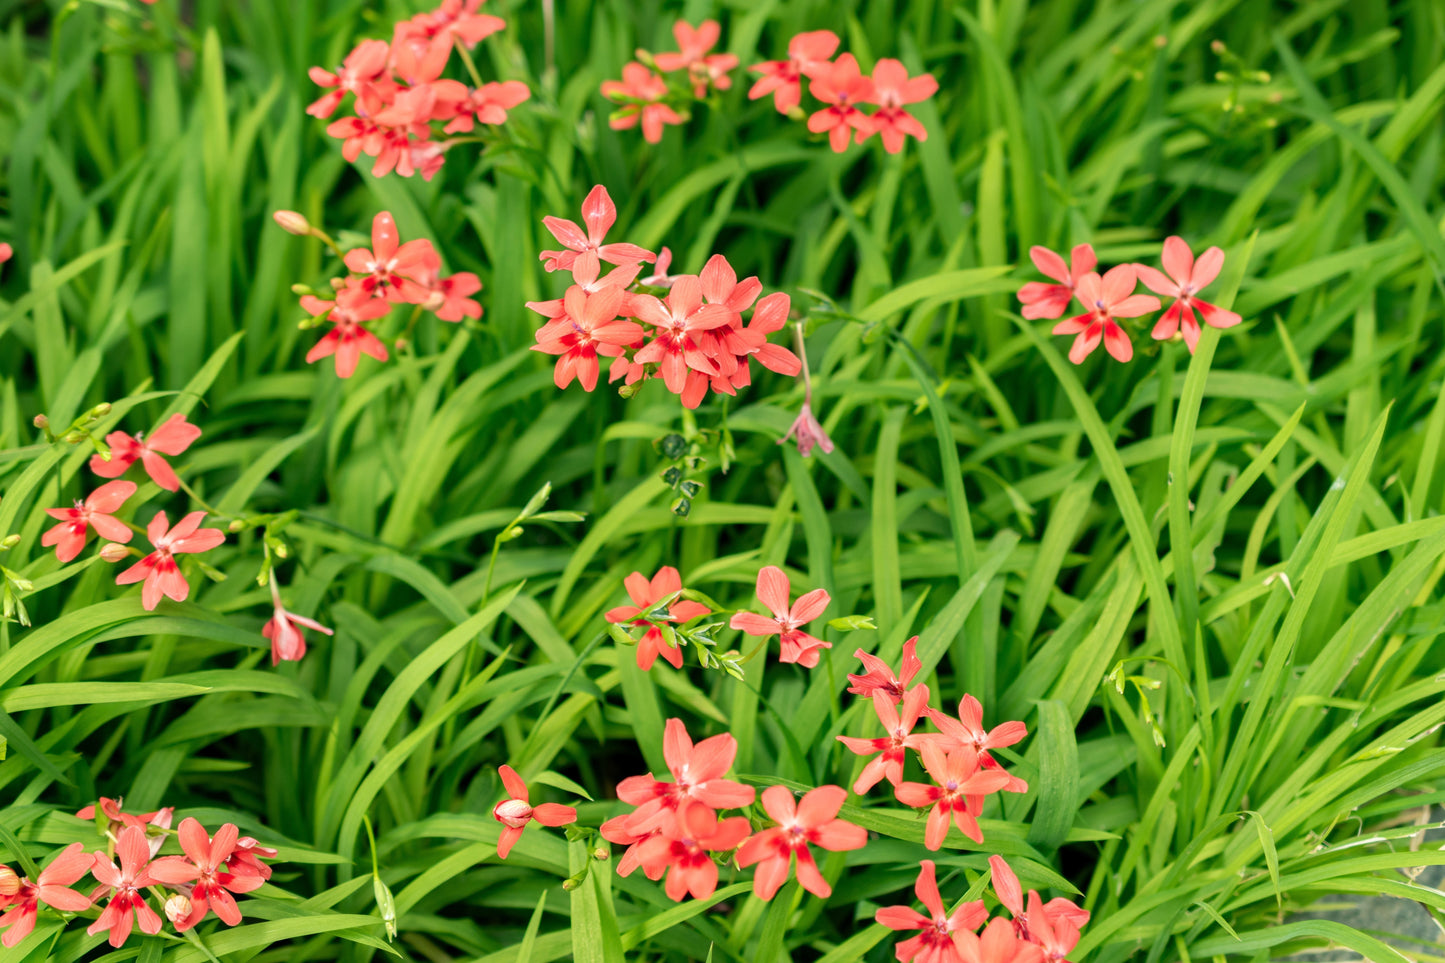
{"points": [[471, 67]]}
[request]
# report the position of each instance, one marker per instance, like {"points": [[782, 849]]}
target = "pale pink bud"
{"points": [[178, 909], [293, 223], [113, 552], [9, 882], [807, 432], [513, 812]]}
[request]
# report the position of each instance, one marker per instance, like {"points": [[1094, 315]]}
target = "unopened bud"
{"points": [[235, 525], [178, 909], [113, 552], [302, 289], [100, 410], [1161, 41], [401, 345], [600, 854], [338, 283], [293, 223], [41, 422], [434, 301], [75, 437], [1217, 46], [9, 542], [569, 884], [9, 882], [386, 905]]}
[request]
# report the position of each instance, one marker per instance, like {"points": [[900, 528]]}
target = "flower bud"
{"points": [[178, 909], [41, 422], [9, 882], [434, 301], [292, 223], [235, 525], [9, 542], [113, 552], [600, 854], [100, 410]]}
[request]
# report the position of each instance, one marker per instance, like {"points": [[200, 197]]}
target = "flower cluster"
{"points": [[693, 338], [645, 96], [207, 878], [841, 87], [400, 93], [1042, 933], [1108, 298], [956, 757], [387, 274]]}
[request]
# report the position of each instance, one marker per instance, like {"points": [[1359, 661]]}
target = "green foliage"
{"points": [[1211, 585]]}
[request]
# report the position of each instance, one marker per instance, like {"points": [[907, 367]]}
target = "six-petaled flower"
{"points": [[787, 621], [811, 821], [159, 570]]}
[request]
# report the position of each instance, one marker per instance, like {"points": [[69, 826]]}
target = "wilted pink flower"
{"points": [[1186, 277], [797, 645], [117, 821], [514, 813], [807, 54], [1050, 300], [842, 87], [159, 569], [171, 438], [1106, 299], [96, 512], [288, 644]]}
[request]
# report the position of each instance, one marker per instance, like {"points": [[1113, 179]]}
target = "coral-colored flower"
{"points": [[1055, 911], [703, 68], [127, 905], [997, 944], [892, 88], [615, 831], [6, 252], [159, 569], [880, 678], [968, 730], [811, 821], [959, 781], [362, 67], [1106, 300], [1055, 933], [418, 55], [937, 943], [117, 821], [488, 104], [245, 859], [1050, 300], [892, 748], [588, 326], [645, 596], [514, 812], [206, 866], [51, 887], [684, 849], [348, 340], [678, 325], [96, 512], [842, 87], [773, 590], [173, 437], [456, 292], [390, 269], [288, 644], [1185, 279], [659, 278], [807, 54], [752, 342], [459, 21], [808, 432], [697, 772], [640, 93], [599, 214]]}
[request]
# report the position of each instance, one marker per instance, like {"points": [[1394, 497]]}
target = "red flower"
{"points": [[514, 813], [172, 438], [118, 821], [348, 340], [697, 773], [842, 86], [1057, 932], [245, 859], [998, 944], [677, 345], [459, 21], [159, 570], [645, 597], [362, 68], [455, 291], [588, 326], [488, 104], [1186, 277], [959, 781], [1106, 299], [892, 748], [880, 678], [1055, 912], [288, 644], [891, 90], [968, 730], [807, 54], [207, 862], [599, 214], [95, 512], [51, 887], [126, 905], [6, 252], [937, 943], [1050, 300], [685, 847], [703, 68], [814, 821], [391, 269], [418, 54], [773, 590], [615, 831], [640, 92], [752, 341]]}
